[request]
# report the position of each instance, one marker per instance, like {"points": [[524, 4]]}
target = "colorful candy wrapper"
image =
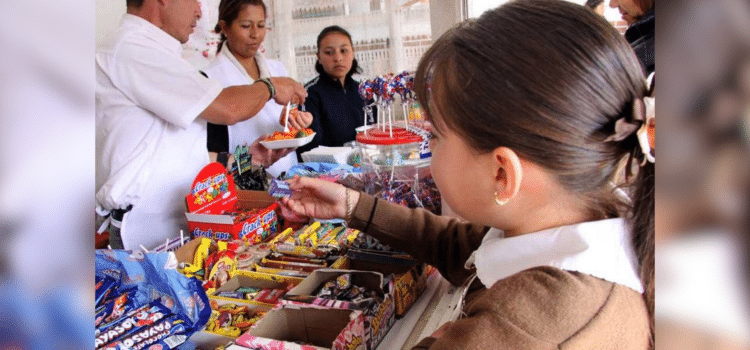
{"points": [[115, 308], [104, 286], [142, 316], [154, 278], [146, 335], [280, 189]]}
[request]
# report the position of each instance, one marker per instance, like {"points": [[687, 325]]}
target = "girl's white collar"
{"points": [[598, 248]]}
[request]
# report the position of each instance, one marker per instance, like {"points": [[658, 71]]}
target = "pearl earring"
{"points": [[501, 202]]}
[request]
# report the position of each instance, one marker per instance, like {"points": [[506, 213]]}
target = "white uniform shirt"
{"points": [[150, 143], [597, 248], [226, 69]]}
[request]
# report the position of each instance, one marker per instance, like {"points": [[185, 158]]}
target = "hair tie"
{"points": [[642, 123]]}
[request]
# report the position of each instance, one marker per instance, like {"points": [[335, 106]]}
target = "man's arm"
{"points": [[238, 103]]}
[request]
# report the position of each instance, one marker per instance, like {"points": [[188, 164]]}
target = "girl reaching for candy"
{"points": [[541, 125]]}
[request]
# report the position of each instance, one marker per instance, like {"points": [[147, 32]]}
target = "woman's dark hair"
{"points": [[133, 3], [592, 4], [645, 5], [229, 10], [552, 95], [323, 34]]}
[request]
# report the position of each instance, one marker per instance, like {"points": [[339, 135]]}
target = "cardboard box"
{"points": [[409, 280], [209, 340], [378, 316], [244, 281], [213, 193], [283, 328]]}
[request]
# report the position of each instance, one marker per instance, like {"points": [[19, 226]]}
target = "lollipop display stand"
{"points": [[395, 155]]}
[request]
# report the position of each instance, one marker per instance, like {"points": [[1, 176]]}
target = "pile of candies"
{"points": [[215, 262], [120, 324], [261, 295], [343, 289], [324, 239], [231, 320], [292, 134], [403, 192]]}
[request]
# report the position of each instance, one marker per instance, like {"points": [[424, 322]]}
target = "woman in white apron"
{"points": [[242, 24]]}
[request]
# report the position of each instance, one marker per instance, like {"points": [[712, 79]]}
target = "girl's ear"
{"points": [[223, 26], [508, 174]]}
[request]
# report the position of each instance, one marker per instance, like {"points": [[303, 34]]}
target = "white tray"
{"points": [[288, 143]]}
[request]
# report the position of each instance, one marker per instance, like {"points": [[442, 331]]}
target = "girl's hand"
{"points": [[318, 198]]}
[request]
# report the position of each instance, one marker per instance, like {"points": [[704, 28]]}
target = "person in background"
{"points": [[529, 133], [242, 24], [639, 15], [595, 5], [151, 112], [334, 99]]}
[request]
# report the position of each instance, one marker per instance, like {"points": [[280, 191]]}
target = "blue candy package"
{"points": [[152, 277]]}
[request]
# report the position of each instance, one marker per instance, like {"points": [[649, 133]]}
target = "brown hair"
{"points": [[547, 79], [229, 10]]}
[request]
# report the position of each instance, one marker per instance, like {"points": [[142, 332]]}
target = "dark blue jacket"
{"points": [[640, 35], [337, 111]]}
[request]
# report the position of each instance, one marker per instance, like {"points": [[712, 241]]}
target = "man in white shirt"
{"points": [[151, 113]]}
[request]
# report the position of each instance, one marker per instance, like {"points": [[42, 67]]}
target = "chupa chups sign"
{"points": [[211, 196]]}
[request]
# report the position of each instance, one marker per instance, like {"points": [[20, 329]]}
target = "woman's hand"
{"points": [[318, 198], [264, 156], [297, 119]]}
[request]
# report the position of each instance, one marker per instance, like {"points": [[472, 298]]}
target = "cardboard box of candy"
{"points": [[295, 266], [315, 328], [409, 280], [347, 289], [314, 241], [231, 320], [215, 211], [255, 293]]}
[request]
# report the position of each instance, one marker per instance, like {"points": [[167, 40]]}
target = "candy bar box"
{"points": [[347, 289], [215, 211], [409, 278], [295, 327]]}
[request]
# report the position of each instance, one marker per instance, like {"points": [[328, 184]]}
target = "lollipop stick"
{"points": [[390, 121]]}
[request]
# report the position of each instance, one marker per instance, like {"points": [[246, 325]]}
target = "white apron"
{"points": [[229, 72]]}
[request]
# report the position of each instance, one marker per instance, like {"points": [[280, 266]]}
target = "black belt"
{"points": [[118, 214]]}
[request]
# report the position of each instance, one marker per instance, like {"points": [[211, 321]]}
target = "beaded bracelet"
{"points": [[269, 85]]}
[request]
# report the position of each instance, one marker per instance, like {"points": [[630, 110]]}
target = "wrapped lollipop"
{"points": [[367, 93], [366, 90]]}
